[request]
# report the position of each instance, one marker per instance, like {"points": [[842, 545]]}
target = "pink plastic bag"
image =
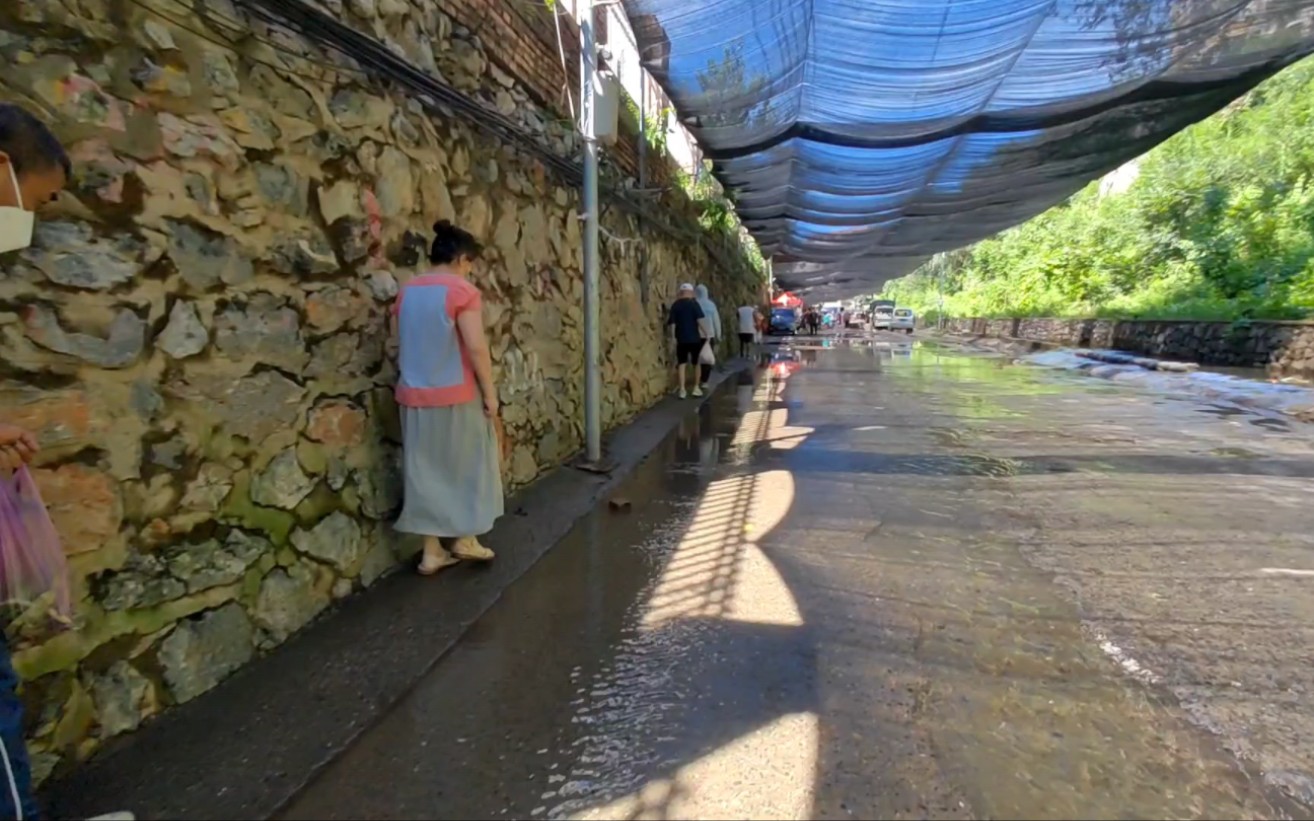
{"points": [[32, 562]]}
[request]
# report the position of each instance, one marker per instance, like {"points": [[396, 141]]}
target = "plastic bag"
{"points": [[32, 562], [503, 444], [706, 356]]}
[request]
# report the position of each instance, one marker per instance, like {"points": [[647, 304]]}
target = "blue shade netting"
{"points": [[857, 137]]}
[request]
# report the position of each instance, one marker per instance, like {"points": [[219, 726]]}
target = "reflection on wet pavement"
{"points": [[886, 579]]}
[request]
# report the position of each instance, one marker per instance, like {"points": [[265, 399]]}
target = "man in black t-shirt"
{"points": [[687, 318]]}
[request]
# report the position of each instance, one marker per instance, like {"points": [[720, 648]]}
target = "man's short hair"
{"points": [[28, 142]]}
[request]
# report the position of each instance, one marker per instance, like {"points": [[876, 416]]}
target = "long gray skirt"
{"points": [[453, 478]]}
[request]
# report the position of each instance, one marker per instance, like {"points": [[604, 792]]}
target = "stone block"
{"points": [[335, 540], [205, 259], [214, 563], [282, 484], [185, 335], [203, 651], [263, 329], [121, 694], [84, 504], [330, 309], [120, 348], [254, 407], [70, 254], [337, 423], [289, 598]]}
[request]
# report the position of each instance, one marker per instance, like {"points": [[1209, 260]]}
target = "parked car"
{"points": [[784, 322], [881, 318], [903, 319]]}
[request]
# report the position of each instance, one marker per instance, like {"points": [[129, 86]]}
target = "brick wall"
{"points": [[520, 36]]}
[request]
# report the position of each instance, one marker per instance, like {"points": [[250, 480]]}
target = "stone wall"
{"points": [[198, 334], [1285, 348]]}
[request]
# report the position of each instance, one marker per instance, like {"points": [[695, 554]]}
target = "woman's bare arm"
{"points": [[470, 324]]}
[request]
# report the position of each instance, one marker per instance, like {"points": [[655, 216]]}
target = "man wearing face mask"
{"points": [[33, 169]]}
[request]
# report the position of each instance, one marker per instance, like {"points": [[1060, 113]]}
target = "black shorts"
{"points": [[686, 353], [746, 338]]}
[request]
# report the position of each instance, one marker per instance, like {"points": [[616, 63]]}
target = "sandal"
{"points": [[469, 549], [427, 568]]}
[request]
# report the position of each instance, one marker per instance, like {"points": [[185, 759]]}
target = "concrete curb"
{"points": [[247, 747]]}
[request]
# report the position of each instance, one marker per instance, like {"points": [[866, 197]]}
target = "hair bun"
{"points": [[451, 243]]}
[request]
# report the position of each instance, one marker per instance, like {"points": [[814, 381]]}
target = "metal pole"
{"points": [[643, 127], [592, 342], [939, 290], [643, 177]]}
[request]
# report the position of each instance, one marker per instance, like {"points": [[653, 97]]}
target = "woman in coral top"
{"points": [[453, 479]]}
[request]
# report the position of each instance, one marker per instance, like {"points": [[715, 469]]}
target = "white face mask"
{"points": [[16, 223]]}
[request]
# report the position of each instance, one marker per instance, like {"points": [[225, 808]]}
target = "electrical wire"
{"points": [[370, 53], [232, 48], [240, 29], [378, 62]]}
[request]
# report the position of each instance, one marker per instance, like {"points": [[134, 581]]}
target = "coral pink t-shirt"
{"points": [[435, 368]]}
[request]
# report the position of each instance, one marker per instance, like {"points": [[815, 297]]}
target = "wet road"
{"points": [[893, 580]]}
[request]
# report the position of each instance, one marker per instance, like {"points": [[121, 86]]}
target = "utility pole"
{"points": [[643, 178], [592, 340], [939, 293]]}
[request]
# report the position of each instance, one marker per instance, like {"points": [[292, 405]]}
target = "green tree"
{"points": [[1219, 224]]}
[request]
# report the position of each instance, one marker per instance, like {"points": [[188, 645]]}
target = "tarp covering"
{"points": [[859, 136]]}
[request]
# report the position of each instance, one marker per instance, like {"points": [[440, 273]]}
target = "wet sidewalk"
{"points": [[879, 578], [890, 580], [245, 748]]}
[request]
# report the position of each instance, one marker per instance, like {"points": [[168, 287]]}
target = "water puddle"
{"points": [[867, 586], [1233, 387]]}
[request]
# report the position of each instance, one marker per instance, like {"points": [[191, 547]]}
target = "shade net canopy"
{"points": [[857, 137]]}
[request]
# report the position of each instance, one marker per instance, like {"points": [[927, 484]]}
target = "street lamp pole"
{"points": [[592, 337]]}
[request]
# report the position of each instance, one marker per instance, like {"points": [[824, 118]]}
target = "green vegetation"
{"points": [[1219, 224], [716, 213]]}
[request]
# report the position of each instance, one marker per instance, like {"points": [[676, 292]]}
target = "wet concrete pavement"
{"points": [[888, 579]]}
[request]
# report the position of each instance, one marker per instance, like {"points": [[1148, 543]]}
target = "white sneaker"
{"points": [[683, 394], [114, 816], [698, 391]]}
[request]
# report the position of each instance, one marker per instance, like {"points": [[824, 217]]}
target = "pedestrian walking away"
{"points": [[449, 407], [712, 315], [749, 317], [690, 327]]}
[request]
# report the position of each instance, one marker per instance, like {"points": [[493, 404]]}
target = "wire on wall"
{"points": [[379, 61], [371, 59]]}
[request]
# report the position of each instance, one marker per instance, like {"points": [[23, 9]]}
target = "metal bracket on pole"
{"points": [[592, 295]]}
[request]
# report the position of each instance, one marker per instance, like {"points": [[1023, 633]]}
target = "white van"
{"points": [[903, 319]]}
